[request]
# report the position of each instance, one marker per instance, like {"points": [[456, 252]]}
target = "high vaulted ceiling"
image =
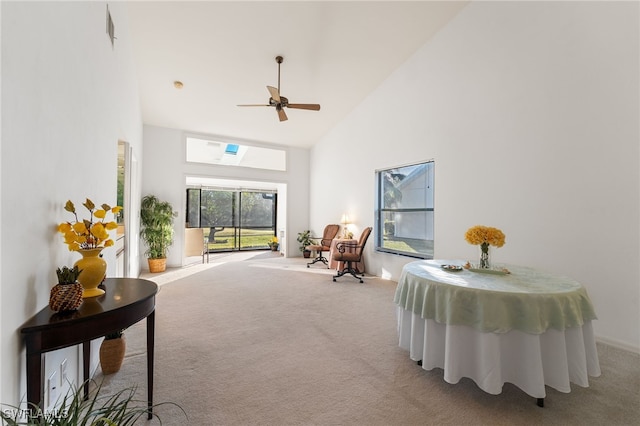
{"points": [[335, 54]]}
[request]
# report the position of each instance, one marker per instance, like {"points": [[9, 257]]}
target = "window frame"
{"points": [[243, 153], [381, 210], [238, 222]]}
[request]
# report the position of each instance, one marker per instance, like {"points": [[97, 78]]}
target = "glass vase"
{"points": [[484, 256]]}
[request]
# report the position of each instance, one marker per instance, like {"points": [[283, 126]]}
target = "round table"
{"points": [[529, 327]]}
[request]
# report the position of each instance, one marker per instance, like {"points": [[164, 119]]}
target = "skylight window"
{"points": [[231, 149], [210, 151]]}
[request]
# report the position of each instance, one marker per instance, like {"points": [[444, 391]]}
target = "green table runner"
{"points": [[528, 300]]}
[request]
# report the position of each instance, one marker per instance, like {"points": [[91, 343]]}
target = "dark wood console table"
{"points": [[127, 301]]}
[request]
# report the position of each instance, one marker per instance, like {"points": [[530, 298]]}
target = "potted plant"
{"points": [[67, 294], [156, 221], [73, 409], [112, 351], [273, 244], [304, 238]]}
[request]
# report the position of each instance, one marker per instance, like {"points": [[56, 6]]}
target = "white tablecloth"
{"points": [[530, 360]]}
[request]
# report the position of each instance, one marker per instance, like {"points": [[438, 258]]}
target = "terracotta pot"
{"points": [[93, 272], [112, 355], [157, 265], [306, 254], [65, 297]]}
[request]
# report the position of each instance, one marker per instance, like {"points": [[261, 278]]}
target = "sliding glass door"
{"points": [[232, 220]]}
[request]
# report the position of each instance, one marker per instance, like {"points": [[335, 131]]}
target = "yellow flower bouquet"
{"points": [[88, 233], [484, 236], [273, 243]]}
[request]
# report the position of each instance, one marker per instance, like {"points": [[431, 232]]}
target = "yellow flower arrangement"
{"points": [[273, 242], [484, 235], [88, 233]]}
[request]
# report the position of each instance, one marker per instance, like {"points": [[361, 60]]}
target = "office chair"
{"points": [[330, 232], [351, 253]]}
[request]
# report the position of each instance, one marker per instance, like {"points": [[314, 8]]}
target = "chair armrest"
{"points": [[343, 246]]}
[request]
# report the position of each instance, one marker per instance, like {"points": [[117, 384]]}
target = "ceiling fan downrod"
{"points": [[279, 61]]}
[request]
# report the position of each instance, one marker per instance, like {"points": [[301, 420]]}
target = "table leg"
{"points": [[86, 359], [34, 379], [151, 320]]}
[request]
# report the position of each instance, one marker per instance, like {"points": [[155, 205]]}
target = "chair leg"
{"points": [[348, 269], [319, 258], [205, 251]]}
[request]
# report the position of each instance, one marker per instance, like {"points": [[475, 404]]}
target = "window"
{"points": [[209, 151], [404, 210], [233, 220]]}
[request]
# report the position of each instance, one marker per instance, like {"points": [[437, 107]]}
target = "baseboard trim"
{"points": [[618, 344]]}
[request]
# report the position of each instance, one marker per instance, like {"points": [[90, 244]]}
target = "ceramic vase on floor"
{"points": [[112, 354], [93, 272]]}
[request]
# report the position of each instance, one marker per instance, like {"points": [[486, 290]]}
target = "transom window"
{"points": [[405, 210], [209, 151]]}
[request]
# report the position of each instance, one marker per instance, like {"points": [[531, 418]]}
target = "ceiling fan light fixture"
{"points": [[280, 102]]}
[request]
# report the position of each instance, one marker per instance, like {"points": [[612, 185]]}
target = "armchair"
{"points": [[354, 255], [330, 232]]}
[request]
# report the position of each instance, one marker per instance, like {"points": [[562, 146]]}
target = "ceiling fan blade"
{"points": [[313, 107], [274, 93], [280, 102], [281, 114]]}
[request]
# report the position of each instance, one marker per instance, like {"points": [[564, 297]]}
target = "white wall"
{"points": [[68, 96], [530, 110], [165, 170]]}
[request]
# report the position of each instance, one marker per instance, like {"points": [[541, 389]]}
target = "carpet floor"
{"points": [[257, 339]]}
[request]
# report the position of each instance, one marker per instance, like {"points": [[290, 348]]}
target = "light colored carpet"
{"points": [[262, 340]]}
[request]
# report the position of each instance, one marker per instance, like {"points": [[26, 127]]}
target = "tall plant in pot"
{"points": [[156, 220], [304, 238]]}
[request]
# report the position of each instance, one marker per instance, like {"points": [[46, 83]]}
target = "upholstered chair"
{"points": [[350, 254], [195, 243], [330, 232]]}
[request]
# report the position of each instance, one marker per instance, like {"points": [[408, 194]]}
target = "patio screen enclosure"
{"points": [[233, 219]]}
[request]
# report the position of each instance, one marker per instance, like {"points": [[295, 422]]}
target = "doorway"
{"points": [[241, 185], [233, 220]]}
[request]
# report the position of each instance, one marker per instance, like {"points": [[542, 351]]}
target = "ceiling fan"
{"points": [[280, 102]]}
